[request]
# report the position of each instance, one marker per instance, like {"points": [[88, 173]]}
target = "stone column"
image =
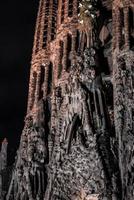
{"points": [[118, 29], [114, 29], [73, 48], [37, 91], [53, 125], [38, 35], [126, 27], [32, 87], [66, 8], [59, 13], [53, 110], [0, 187], [50, 20]]}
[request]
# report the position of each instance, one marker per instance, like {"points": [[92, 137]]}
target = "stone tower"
{"points": [[3, 165], [76, 143], [123, 62], [54, 47], [3, 155]]}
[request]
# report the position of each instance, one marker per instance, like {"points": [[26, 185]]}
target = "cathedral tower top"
{"points": [[55, 46]]}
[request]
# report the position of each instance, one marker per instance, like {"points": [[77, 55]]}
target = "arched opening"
{"points": [[72, 131], [69, 48], [46, 24], [54, 19], [85, 41], [77, 46], [131, 27], [62, 11], [53, 28], [33, 88], [70, 8], [60, 66], [41, 82], [50, 77]]}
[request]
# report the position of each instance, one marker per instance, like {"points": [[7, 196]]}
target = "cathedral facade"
{"points": [[78, 142]]}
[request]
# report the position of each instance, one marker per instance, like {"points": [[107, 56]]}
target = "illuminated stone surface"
{"points": [[78, 140]]}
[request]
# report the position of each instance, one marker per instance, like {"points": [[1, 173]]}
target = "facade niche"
{"points": [[54, 20], [62, 11], [42, 81], [70, 8], [131, 27], [34, 87], [69, 48], [50, 77], [84, 42], [53, 28], [46, 25], [60, 66], [77, 41]]}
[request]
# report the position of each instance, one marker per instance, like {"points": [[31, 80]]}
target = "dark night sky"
{"points": [[17, 25]]}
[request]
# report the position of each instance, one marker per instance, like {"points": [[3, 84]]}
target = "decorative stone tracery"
{"points": [[77, 142]]}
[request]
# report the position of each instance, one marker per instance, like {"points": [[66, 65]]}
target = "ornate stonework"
{"points": [[77, 143]]}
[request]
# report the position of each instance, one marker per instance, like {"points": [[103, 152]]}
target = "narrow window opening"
{"points": [[53, 28], [60, 66], [46, 24], [85, 42], [123, 65], [42, 81], [105, 62], [50, 77], [132, 118], [70, 8], [77, 41], [54, 19], [38, 31], [69, 47], [62, 11]]}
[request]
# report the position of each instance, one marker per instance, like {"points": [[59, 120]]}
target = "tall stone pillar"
{"points": [[59, 13], [32, 87], [66, 8], [118, 29], [73, 48], [50, 20], [3, 165], [37, 91], [126, 27]]}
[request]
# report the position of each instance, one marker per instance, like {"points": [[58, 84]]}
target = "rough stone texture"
{"points": [[3, 168], [77, 143]]}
